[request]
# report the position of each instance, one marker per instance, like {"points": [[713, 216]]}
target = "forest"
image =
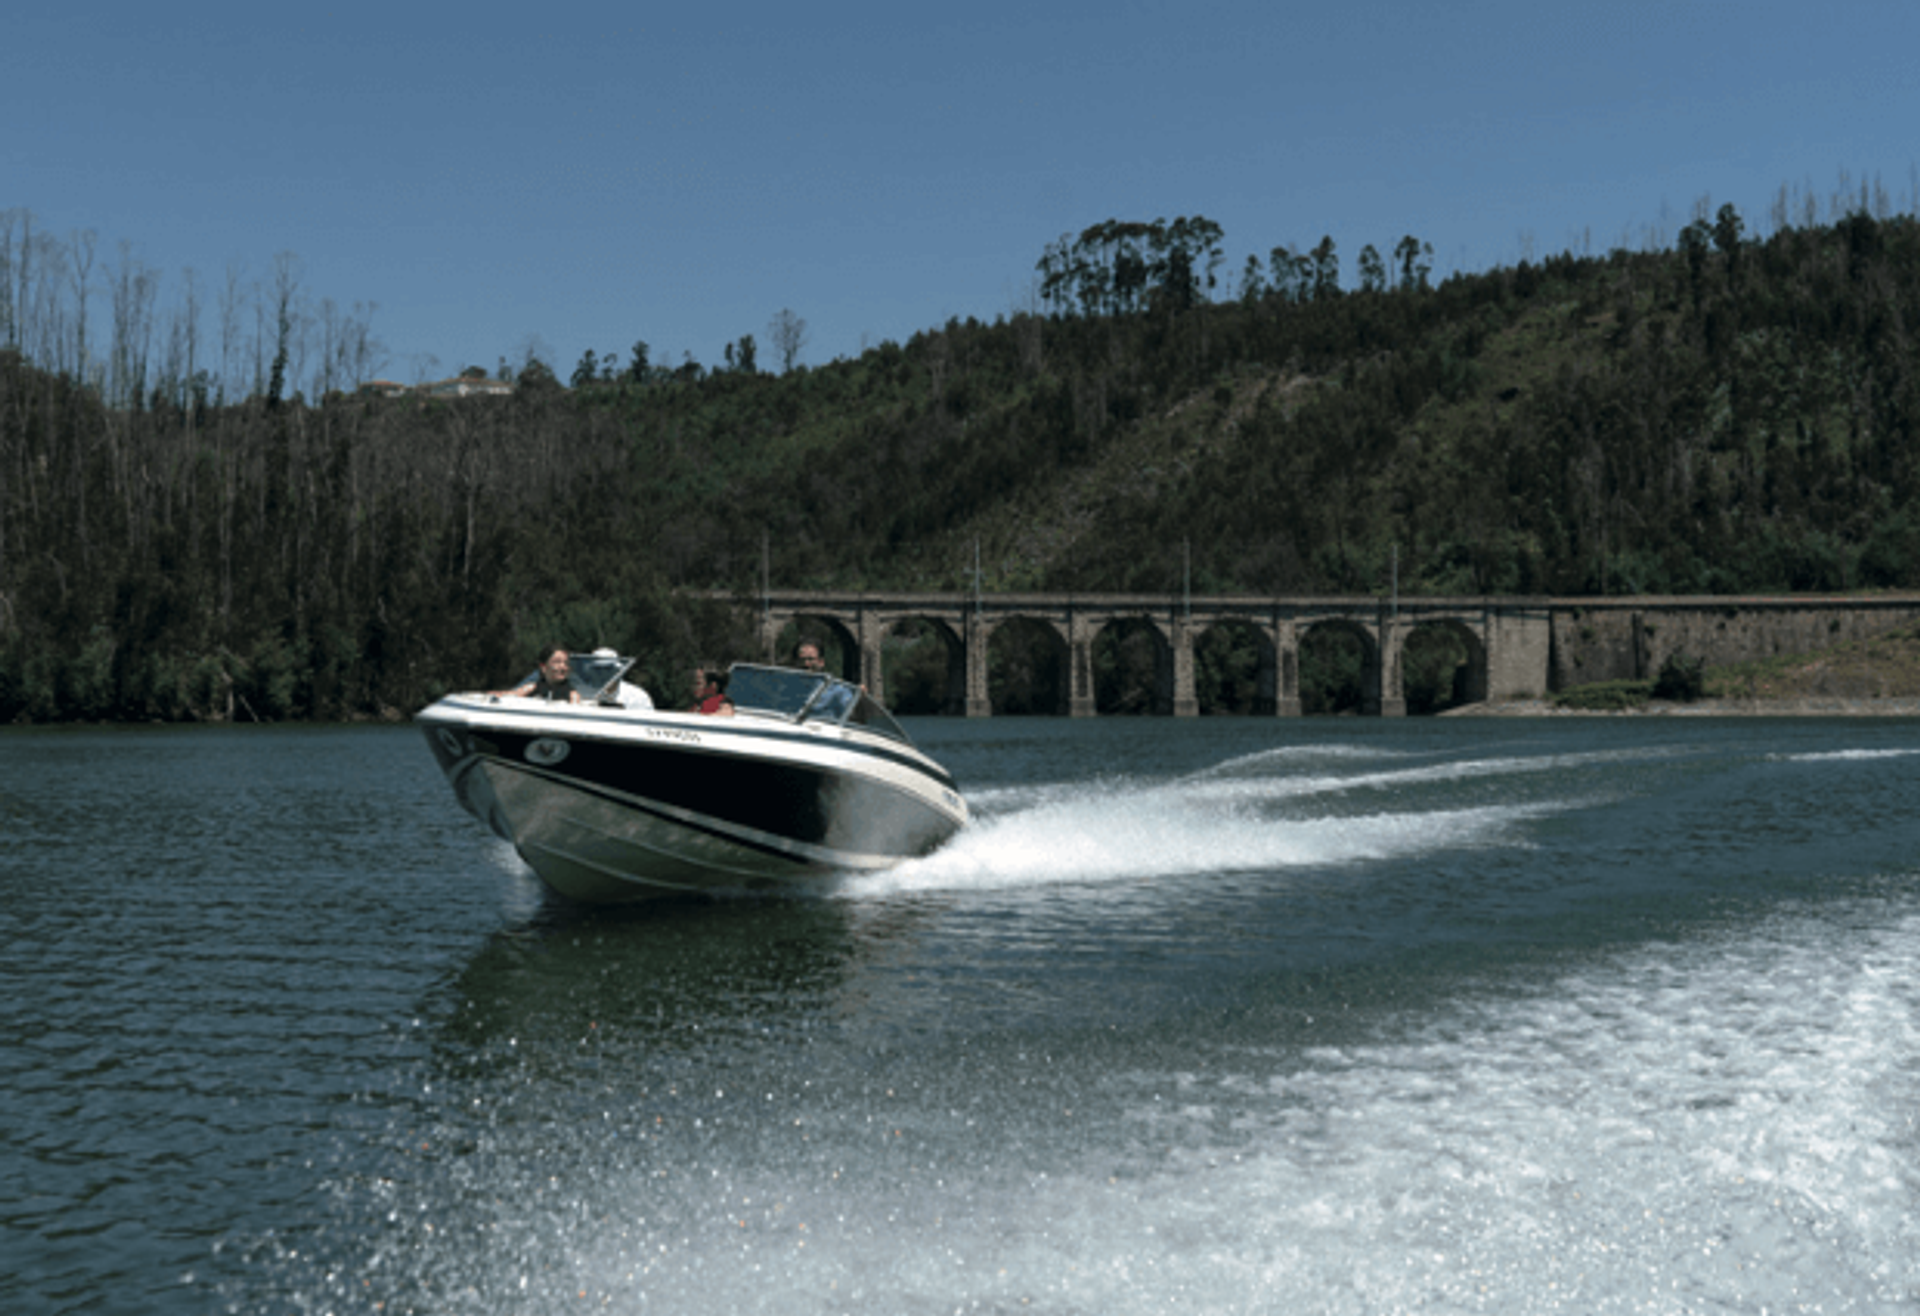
{"points": [[227, 526]]}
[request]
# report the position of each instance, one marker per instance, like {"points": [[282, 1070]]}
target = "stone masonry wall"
{"points": [[1630, 638]]}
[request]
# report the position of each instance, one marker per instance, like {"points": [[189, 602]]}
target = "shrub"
{"points": [[1605, 696], [88, 679], [1681, 678]]}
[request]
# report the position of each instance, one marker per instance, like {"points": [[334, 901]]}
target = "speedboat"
{"points": [[808, 777]]}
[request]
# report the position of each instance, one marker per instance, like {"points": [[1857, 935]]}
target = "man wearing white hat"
{"points": [[630, 696]]}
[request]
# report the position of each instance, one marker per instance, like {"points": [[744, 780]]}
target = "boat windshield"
{"points": [[597, 674], [809, 697]]}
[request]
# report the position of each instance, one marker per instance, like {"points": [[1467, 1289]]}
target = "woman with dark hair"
{"points": [[550, 681]]}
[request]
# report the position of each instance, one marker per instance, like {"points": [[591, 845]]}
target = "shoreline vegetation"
{"points": [[1876, 677], [216, 513]]}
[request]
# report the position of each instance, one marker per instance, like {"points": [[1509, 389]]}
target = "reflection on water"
{"points": [[668, 975]]}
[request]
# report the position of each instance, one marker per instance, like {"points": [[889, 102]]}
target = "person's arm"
{"points": [[523, 689]]}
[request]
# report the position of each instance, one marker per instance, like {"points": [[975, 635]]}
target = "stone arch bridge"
{"points": [[1516, 647]]}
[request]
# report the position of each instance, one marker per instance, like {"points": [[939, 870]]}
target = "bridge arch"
{"points": [[1339, 666], [923, 665], [1237, 667], [1029, 666], [1132, 666], [1443, 664]]}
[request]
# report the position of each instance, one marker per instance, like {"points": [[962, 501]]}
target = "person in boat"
{"points": [[838, 699], [550, 680], [622, 694], [710, 692]]}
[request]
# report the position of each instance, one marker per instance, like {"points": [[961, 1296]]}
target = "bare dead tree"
{"points": [[362, 351], [9, 314], [229, 329], [328, 328], [257, 388], [344, 344], [788, 333], [133, 291], [81, 250], [187, 330]]}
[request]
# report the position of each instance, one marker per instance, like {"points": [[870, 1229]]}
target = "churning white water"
{"points": [[1725, 1126]]}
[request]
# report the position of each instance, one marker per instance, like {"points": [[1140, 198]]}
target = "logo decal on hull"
{"points": [[547, 751]]}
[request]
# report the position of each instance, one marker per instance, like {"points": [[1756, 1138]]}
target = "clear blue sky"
{"points": [[585, 175]]}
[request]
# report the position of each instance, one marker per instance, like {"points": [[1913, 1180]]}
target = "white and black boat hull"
{"points": [[613, 806]]}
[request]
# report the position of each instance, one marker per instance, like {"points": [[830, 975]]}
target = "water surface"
{"points": [[1222, 1015]]}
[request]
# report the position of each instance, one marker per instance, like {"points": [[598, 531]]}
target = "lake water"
{"points": [[1227, 1015]]}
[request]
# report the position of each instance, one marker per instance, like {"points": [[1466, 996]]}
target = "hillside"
{"points": [[1732, 416], [1615, 425]]}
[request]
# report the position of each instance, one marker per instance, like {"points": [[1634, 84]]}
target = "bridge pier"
{"points": [[1080, 697], [1185, 702], [979, 704], [1384, 695], [1284, 636], [873, 632]]}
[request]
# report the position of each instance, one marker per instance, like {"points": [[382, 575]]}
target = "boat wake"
{"points": [[1847, 756], [1270, 812]]}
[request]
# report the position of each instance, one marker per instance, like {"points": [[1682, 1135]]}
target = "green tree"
{"points": [[1415, 260], [1726, 236], [1373, 270], [586, 370], [1121, 267], [1292, 274], [286, 282], [536, 376], [1253, 282], [1695, 243], [1326, 270], [1186, 257]]}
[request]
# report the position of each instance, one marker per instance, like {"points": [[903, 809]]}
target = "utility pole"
{"points": [[1186, 580]]}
